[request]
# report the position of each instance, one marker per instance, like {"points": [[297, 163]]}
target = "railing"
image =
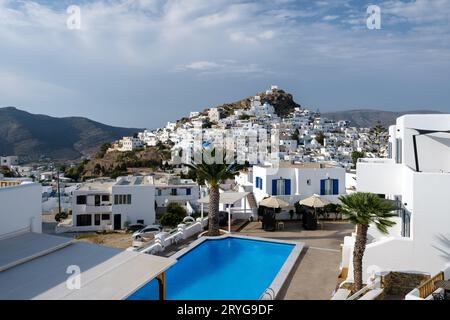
{"points": [[428, 287], [376, 160]]}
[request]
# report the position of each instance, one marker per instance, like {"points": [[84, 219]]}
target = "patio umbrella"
{"points": [[274, 202], [314, 201]]}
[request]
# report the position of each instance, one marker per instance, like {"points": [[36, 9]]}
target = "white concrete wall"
{"points": [[20, 208], [142, 205]]}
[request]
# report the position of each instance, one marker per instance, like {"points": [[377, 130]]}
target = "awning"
{"points": [[226, 197]]}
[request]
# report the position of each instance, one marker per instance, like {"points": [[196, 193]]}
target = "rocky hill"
{"points": [[34, 135], [282, 102]]}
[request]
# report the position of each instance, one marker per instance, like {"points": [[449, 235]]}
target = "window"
{"points": [[97, 219], [188, 191], [329, 187], [173, 192], [81, 199], [259, 182], [308, 182], [406, 223], [159, 192], [122, 199], [281, 187], [84, 220], [140, 221], [398, 150], [105, 197], [106, 216], [97, 200]]}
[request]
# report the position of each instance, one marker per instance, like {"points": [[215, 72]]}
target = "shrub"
{"points": [[170, 219], [61, 216]]}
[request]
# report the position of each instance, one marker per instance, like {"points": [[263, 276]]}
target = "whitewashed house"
{"points": [[417, 177], [130, 144], [109, 205], [296, 181]]}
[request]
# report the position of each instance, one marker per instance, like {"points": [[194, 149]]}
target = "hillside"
{"points": [[33, 135], [367, 117]]}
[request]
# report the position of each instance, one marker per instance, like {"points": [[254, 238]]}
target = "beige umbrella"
{"points": [[314, 201], [274, 202]]}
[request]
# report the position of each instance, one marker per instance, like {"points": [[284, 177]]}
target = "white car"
{"points": [[147, 231]]}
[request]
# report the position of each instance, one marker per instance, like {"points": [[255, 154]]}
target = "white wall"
{"points": [[142, 205], [20, 208]]}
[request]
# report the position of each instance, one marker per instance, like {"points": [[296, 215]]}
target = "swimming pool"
{"points": [[226, 268]]}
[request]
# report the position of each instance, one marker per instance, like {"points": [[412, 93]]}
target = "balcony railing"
{"points": [[428, 286], [376, 160]]}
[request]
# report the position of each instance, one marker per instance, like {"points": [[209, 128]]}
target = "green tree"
{"points": [[173, 216], [320, 137], [214, 174], [363, 209], [378, 137], [357, 155], [295, 135]]}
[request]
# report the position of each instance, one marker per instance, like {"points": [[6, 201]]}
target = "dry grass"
{"points": [[112, 239]]}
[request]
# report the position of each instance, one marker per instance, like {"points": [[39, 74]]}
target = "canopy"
{"points": [[314, 201], [274, 202]]}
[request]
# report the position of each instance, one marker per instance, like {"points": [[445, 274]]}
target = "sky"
{"points": [[142, 63]]}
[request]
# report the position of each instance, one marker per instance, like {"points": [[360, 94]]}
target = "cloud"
{"points": [[131, 54]]}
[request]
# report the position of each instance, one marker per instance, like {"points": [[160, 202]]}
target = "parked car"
{"points": [[147, 231], [135, 227]]}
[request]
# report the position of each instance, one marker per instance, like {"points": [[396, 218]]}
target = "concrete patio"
{"points": [[316, 273]]}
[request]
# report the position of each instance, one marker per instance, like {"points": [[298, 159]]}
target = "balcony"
{"points": [[94, 209], [382, 176]]}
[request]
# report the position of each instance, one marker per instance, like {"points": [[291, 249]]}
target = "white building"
{"points": [[417, 176], [148, 138], [214, 115], [294, 182], [109, 205], [172, 189], [9, 161], [130, 144], [20, 208]]}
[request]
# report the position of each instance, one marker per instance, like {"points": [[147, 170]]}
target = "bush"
{"points": [[170, 219], [61, 216], [173, 216]]}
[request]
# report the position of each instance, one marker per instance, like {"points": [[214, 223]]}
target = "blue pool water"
{"points": [[229, 268]]}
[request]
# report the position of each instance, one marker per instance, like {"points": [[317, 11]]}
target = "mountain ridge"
{"points": [[31, 136]]}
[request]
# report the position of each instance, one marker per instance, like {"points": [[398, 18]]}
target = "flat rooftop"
{"points": [[300, 165], [106, 273]]}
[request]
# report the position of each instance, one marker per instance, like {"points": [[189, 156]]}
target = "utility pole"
{"points": [[59, 191]]}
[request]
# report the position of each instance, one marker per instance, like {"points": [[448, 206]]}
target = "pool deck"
{"points": [[316, 273]]}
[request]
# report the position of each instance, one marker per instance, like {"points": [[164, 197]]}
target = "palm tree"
{"points": [[214, 174], [363, 209]]}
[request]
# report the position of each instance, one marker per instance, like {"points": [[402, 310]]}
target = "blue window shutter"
{"points": [[256, 182], [335, 186], [274, 187], [260, 183], [322, 187], [287, 186]]}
